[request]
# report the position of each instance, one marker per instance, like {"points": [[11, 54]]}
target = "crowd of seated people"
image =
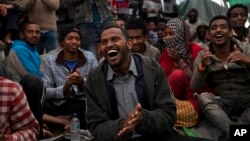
{"points": [[193, 58]]}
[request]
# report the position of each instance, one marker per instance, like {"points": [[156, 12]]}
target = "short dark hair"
{"points": [[193, 10], [220, 17], [124, 32], [164, 20], [24, 26], [200, 26], [238, 5], [137, 23]]}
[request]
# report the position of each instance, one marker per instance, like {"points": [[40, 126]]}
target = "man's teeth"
{"points": [[112, 53], [218, 36]]}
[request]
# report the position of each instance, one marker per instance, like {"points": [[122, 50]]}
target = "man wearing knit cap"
{"points": [[90, 17], [64, 76]]}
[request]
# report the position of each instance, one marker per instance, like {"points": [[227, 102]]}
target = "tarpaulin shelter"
{"points": [[208, 8]]}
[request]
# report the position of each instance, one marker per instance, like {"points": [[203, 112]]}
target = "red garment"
{"points": [[168, 64], [177, 78], [119, 4], [17, 122]]}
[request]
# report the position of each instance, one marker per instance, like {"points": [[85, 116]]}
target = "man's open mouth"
{"points": [[112, 53]]}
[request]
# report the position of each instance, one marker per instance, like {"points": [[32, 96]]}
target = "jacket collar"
{"points": [[139, 86], [81, 61]]}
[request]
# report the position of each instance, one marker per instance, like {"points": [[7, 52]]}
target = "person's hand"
{"points": [[75, 78], [2, 138], [67, 128], [1, 42], [205, 58], [66, 123], [7, 38], [3, 10], [131, 121], [173, 54], [238, 56], [7, 6], [67, 85], [47, 133]]}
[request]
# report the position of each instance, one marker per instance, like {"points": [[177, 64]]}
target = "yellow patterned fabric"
{"points": [[187, 116]]}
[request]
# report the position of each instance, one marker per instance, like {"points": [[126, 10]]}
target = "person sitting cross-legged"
{"points": [[177, 62], [64, 74], [224, 66]]}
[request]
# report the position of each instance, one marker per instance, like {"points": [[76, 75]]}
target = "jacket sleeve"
{"points": [[245, 50], [161, 118], [198, 79], [51, 92], [51, 4], [28, 62]]}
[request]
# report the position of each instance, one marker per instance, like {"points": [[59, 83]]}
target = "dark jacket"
{"points": [[223, 79], [153, 92], [230, 81]]}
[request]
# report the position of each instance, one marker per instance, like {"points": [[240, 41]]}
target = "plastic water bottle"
{"points": [[75, 128]]}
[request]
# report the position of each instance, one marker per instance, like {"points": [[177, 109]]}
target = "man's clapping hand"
{"points": [[131, 121]]}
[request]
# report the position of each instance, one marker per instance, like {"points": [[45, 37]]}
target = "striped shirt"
{"points": [[17, 122]]}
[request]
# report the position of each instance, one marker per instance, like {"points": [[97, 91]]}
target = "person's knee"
{"points": [[177, 75], [32, 80], [32, 84], [204, 99], [245, 117]]}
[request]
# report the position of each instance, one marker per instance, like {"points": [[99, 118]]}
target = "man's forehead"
{"points": [[238, 9], [192, 13], [111, 32], [219, 21], [32, 26]]}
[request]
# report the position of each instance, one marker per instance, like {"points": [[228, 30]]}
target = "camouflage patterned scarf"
{"points": [[179, 40]]}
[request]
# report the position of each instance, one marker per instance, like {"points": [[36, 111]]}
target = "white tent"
{"points": [[207, 8]]}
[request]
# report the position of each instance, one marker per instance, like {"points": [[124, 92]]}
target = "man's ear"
{"points": [[129, 44]]}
